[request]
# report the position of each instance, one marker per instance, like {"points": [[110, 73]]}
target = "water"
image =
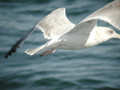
{"points": [[96, 68]]}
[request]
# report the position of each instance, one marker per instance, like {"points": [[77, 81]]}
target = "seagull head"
{"points": [[101, 34], [105, 33]]}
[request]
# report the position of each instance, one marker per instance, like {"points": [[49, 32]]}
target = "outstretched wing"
{"points": [[109, 13], [55, 24]]}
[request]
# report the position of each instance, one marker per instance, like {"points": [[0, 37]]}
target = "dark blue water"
{"points": [[96, 68]]}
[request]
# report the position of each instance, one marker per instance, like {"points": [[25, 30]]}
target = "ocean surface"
{"points": [[96, 68]]}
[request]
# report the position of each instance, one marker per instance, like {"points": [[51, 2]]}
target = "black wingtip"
{"points": [[12, 50], [18, 43]]}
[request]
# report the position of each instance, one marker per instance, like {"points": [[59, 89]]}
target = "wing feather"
{"points": [[109, 13], [55, 24], [79, 33]]}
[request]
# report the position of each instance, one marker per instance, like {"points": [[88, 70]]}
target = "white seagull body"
{"points": [[63, 34]]}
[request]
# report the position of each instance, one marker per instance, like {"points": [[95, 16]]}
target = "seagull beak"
{"points": [[117, 35]]}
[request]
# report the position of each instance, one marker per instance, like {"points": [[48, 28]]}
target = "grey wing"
{"points": [[18, 43], [80, 32], [109, 13], [55, 24]]}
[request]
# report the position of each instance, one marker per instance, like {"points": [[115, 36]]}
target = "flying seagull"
{"points": [[63, 34]]}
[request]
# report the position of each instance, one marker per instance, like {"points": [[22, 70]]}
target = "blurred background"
{"points": [[96, 68]]}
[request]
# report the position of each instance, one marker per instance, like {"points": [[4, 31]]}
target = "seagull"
{"points": [[61, 33]]}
